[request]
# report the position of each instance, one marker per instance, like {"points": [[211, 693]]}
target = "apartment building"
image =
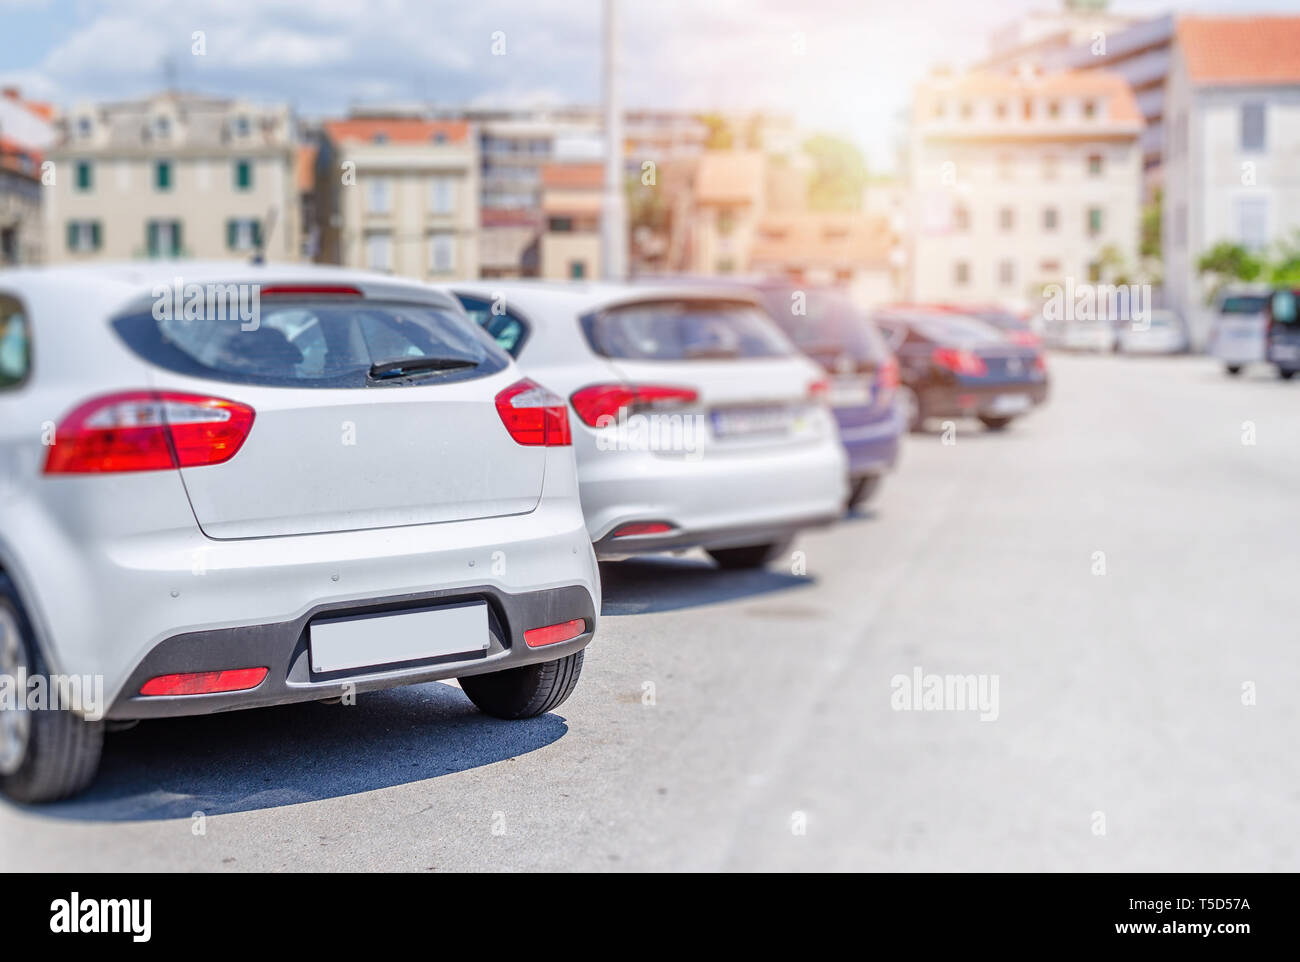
{"points": [[399, 194], [569, 247], [173, 175], [1232, 145], [1019, 180], [26, 129]]}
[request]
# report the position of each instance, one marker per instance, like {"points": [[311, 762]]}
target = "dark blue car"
{"points": [[862, 371]]}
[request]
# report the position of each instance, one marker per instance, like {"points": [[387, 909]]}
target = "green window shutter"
{"points": [[231, 229], [243, 174], [178, 243], [83, 175], [153, 238], [95, 236], [257, 234], [72, 235], [163, 175]]}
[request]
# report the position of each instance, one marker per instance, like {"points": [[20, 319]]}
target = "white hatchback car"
{"points": [[696, 422], [1240, 331], [246, 486]]}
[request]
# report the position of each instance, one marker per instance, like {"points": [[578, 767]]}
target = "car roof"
{"points": [[112, 286]]}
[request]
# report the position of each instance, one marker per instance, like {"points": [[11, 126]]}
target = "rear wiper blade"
{"points": [[418, 365], [711, 352]]}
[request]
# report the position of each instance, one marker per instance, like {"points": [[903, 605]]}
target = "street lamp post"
{"points": [[613, 222]]}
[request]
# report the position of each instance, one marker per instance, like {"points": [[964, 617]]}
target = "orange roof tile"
{"points": [[1240, 50], [396, 130], [573, 176]]}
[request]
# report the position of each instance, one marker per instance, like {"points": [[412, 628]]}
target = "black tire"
{"points": [[524, 692], [995, 423], [862, 490], [1233, 369], [1285, 375], [63, 749], [750, 556]]}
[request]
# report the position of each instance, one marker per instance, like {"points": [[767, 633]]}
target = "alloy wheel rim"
{"points": [[15, 719]]}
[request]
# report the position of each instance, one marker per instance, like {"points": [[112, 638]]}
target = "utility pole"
{"points": [[613, 221]]}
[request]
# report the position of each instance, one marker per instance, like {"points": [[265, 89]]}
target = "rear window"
{"points": [[1244, 304], [1284, 308], [319, 344], [15, 344], [685, 330], [829, 327], [955, 330]]}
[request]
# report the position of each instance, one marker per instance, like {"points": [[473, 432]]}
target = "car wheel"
{"points": [[750, 556], [524, 692], [995, 423], [862, 490], [1285, 375], [45, 754], [909, 403], [1233, 369]]}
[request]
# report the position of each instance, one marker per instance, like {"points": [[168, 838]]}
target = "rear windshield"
{"points": [[827, 326], [1244, 304], [955, 330], [685, 330], [1284, 308], [318, 344]]}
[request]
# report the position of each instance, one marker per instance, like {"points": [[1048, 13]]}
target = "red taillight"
{"points": [[1040, 362], [533, 415], [148, 431], [643, 527], [1024, 338], [887, 380], [204, 682], [819, 391], [554, 634], [959, 361], [309, 290], [599, 401]]}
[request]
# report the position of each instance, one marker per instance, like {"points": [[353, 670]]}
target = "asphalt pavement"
{"points": [[1117, 575]]}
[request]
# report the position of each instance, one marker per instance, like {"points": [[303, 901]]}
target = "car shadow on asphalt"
{"points": [[270, 757], [641, 586]]}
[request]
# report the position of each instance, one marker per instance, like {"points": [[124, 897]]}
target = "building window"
{"points": [[243, 175], [163, 238], [162, 175], [1090, 109], [1252, 222], [961, 273], [1094, 221], [726, 265], [85, 180], [379, 138], [242, 126], [379, 252], [1007, 219], [1094, 272], [83, 127], [1054, 109], [243, 235], [1028, 109], [726, 221], [377, 197], [577, 270], [1096, 165], [1000, 109], [162, 127], [442, 195], [84, 236], [1253, 135], [1007, 273], [960, 219], [560, 225], [1049, 218], [444, 253]]}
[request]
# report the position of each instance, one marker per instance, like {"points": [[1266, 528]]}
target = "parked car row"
{"points": [[363, 482], [1257, 325], [1163, 332]]}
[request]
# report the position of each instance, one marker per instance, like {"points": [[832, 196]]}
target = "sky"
{"points": [[842, 66]]}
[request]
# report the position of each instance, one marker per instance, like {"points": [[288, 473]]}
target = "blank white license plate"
{"points": [[746, 422], [337, 644], [849, 392], [1010, 404]]}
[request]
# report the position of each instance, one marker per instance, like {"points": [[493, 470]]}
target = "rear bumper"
{"points": [[720, 499], [282, 647], [872, 445], [973, 400]]}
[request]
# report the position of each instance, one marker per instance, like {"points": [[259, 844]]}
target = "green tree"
{"points": [[839, 174], [720, 134], [1285, 270], [1226, 262], [1152, 213]]}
